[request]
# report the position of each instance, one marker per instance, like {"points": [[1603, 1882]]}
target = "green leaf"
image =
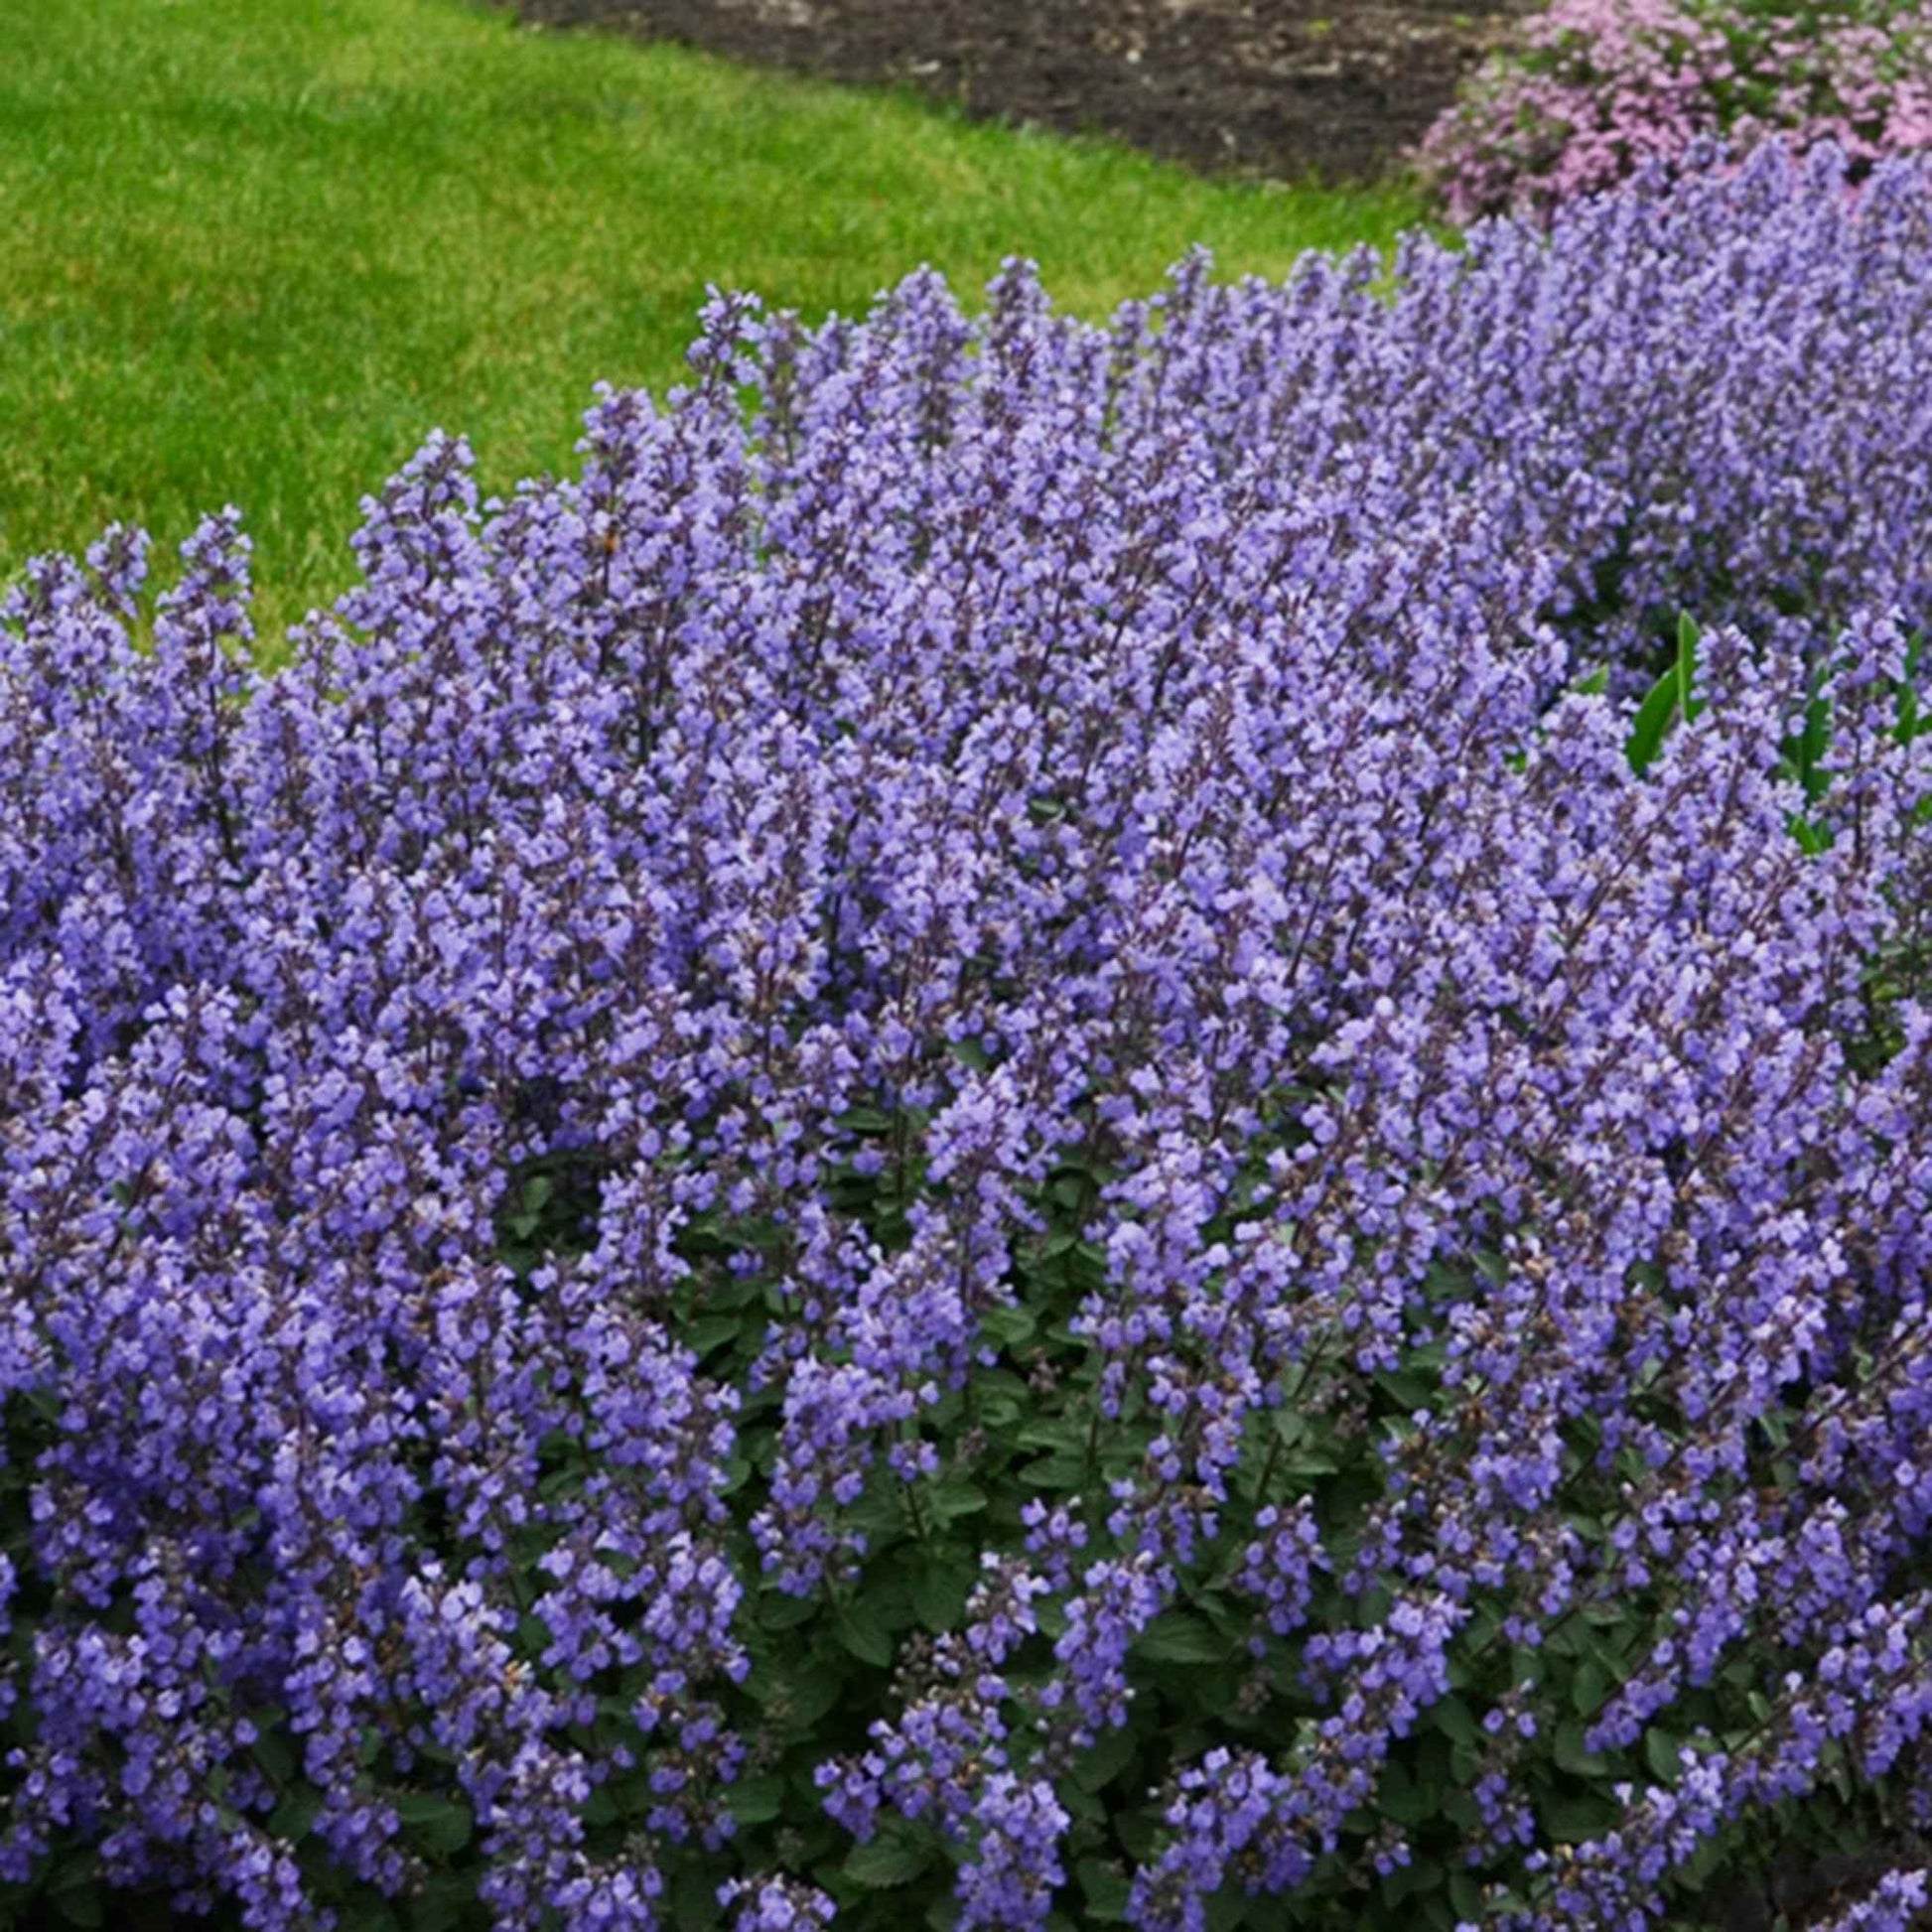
{"points": [[1654, 718], [940, 1592], [860, 1631], [1011, 1327], [1660, 1753], [1106, 1887], [951, 1500], [76, 1895], [293, 1818], [437, 1824], [810, 1695], [778, 1609], [441, 1902], [756, 1801], [274, 1750], [1456, 1720], [1673, 694], [1175, 1637], [1571, 1754], [1404, 1799], [1814, 744], [709, 1331], [1589, 1687], [1909, 723], [1403, 1387], [1573, 1821], [1112, 1751], [1812, 839], [694, 1899], [887, 1863], [1687, 665], [1066, 1470]]}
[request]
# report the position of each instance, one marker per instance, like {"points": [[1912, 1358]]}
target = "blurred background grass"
{"points": [[253, 250]]}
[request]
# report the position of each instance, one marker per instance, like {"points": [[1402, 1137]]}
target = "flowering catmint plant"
{"points": [[1591, 90], [1046, 1125]]}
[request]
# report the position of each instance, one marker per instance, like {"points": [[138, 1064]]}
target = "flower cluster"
{"points": [[1593, 90], [1043, 1120]]}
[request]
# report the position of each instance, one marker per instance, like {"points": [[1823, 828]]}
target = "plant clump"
{"points": [[1046, 1125], [1592, 91]]}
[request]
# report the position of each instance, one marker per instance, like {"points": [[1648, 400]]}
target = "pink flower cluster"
{"points": [[1595, 89]]}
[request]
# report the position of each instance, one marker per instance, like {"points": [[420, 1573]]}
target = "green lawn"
{"points": [[253, 249]]}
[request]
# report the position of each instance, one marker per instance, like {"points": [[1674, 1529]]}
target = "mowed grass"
{"points": [[253, 250]]}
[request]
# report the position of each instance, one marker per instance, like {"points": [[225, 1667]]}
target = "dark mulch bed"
{"points": [[1274, 88]]}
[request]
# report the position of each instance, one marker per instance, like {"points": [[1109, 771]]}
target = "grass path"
{"points": [[253, 249]]}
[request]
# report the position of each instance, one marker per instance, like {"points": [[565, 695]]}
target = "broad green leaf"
{"points": [[1660, 1753], [859, 1629], [1575, 1820], [1106, 1888], [709, 1331], [1570, 1754], [438, 1824], [1175, 1637], [1112, 1751], [754, 1801], [940, 1587], [296, 1815], [888, 1862]]}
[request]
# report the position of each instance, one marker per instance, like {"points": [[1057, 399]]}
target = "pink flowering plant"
{"points": [[1043, 1126], [1594, 90]]}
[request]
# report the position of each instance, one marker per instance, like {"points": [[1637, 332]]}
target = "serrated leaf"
{"points": [[1175, 1637], [1406, 1389], [1098, 1766], [710, 1331], [940, 1587], [952, 1500], [1066, 1470], [755, 1800], [810, 1694], [1011, 1328], [887, 1863], [861, 1632], [779, 1610]]}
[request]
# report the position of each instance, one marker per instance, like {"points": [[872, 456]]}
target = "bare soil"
{"points": [[1280, 88]]}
